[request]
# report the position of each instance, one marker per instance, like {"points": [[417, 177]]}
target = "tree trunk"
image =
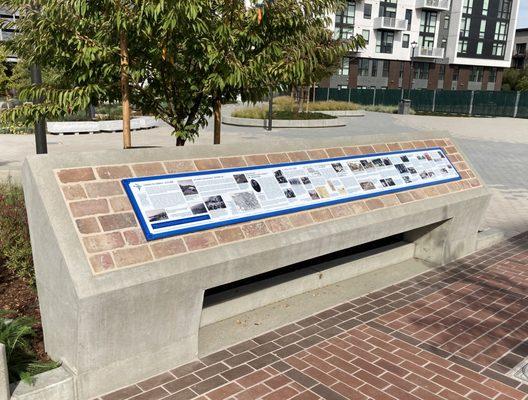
{"points": [[125, 90], [217, 106], [301, 98], [180, 141]]}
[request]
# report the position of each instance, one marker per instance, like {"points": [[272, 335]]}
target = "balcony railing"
{"points": [[433, 52], [394, 24], [433, 4]]}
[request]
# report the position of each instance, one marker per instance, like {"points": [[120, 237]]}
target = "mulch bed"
{"points": [[18, 296]]}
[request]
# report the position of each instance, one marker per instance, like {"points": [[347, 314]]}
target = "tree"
{"points": [[184, 58], [515, 79]]}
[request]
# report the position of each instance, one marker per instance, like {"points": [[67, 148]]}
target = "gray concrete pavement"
{"points": [[497, 147]]}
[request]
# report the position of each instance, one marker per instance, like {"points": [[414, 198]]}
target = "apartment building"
{"points": [[6, 30], [453, 44], [520, 49]]}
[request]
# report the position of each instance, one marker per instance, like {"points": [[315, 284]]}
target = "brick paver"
{"points": [[452, 333]]}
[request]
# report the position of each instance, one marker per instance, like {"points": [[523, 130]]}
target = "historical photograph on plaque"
{"points": [[193, 201]]}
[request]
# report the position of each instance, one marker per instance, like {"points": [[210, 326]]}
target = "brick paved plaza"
{"points": [[452, 333]]}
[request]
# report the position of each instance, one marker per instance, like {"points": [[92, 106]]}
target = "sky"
{"points": [[523, 15]]}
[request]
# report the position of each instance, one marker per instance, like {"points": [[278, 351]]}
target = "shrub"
{"points": [[333, 105], [385, 109], [16, 335], [15, 247]]}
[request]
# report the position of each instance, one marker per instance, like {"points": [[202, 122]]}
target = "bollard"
{"points": [[4, 374]]}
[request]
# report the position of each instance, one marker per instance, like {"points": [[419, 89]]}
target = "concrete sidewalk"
{"points": [[457, 332]]}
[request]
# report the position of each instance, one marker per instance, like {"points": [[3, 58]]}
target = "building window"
{"points": [[464, 26], [363, 67], [428, 22], [401, 70], [443, 44], [339, 87], [492, 75], [385, 70], [367, 11], [374, 71], [345, 66], [366, 35], [388, 11], [504, 9], [385, 42], [455, 73], [344, 33], [446, 22], [480, 45], [476, 74], [441, 72], [485, 6], [501, 31], [408, 17], [467, 7], [498, 49], [421, 70], [482, 31], [347, 16], [405, 41], [462, 46]]}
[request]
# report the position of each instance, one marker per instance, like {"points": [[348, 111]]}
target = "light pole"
{"points": [[411, 70]]}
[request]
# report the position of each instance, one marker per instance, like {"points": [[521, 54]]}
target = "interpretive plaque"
{"points": [[175, 204]]}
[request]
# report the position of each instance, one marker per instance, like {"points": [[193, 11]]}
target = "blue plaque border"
{"points": [[149, 236]]}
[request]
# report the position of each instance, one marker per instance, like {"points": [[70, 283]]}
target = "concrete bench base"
{"points": [[87, 127]]}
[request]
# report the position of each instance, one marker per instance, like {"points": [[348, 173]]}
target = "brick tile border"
{"points": [[98, 204]]}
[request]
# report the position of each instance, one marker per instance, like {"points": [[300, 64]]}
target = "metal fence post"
{"points": [[471, 102], [349, 93], [5, 393], [516, 108], [374, 98], [328, 93], [434, 101]]}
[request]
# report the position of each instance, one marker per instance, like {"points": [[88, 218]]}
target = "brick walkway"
{"points": [[453, 333]]}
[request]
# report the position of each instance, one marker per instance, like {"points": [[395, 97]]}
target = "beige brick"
{"points": [[228, 235], [257, 159], [450, 150], [322, 214], [442, 189], [419, 144], [430, 143], [301, 219], [168, 248], [341, 210], [148, 169], [405, 197], [335, 152], [381, 148], [317, 154], [89, 207], [73, 192], [254, 229], [390, 200], [278, 224], [200, 241], [394, 146], [176, 166], [298, 156], [474, 182], [440, 142], [352, 151], [120, 204], [102, 262], [208, 163], [366, 149], [407, 145], [76, 175], [418, 194], [359, 207], [461, 166], [134, 237], [87, 225], [103, 242], [114, 222], [374, 204], [232, 162], [104, 189], [132, 255], [431, 191], [454, 186], [114, 172], [278, 158]]}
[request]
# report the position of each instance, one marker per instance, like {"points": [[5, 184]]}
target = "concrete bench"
{"points": [[117, 308]]}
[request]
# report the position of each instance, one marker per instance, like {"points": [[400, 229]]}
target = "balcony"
{"points": [[442, 5], [433, 52], [392, 24]]}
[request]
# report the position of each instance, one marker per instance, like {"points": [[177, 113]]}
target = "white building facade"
{"points": [[457, 44]]}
